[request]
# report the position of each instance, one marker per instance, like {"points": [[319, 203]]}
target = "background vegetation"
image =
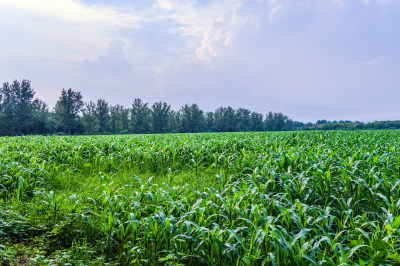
{"points": [[21, 114]]}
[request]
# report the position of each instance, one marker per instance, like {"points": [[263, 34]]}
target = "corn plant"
{"points": [[288, 198]]}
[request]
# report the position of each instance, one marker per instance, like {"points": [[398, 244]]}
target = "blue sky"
{"points": [[310, 59]]}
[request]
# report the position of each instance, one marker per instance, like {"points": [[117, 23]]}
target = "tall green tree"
{"points": [[160, 117], [191, 118], [174, 121], [269, 122], [7, 110], [102, 115], [210, 122], [89, 118], [66, 111], [225, 119], [140, 121], [124, 116], [41, 122], [115, 119], [277, 122], [118, 119], [17, 107], [256, 122], [289, 123], [243, 122]]}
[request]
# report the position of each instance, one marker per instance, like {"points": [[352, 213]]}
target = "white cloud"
{"points": [[71, 12], [217, 36], [274, 13], [72, 30], [165, 5], [62, 29], [220, 34], [277, 8]]}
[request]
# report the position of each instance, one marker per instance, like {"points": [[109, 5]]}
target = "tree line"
{"points": [[22, 114]]}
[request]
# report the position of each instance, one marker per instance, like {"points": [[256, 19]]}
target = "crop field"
{"points": [[303, 198]]}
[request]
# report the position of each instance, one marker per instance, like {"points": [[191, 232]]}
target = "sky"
{"points": [[310, 59]]}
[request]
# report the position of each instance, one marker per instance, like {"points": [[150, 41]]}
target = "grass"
{"points": [[299, 198]]}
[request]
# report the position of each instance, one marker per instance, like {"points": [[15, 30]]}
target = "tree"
{"points": [[225, 119], [160, 116], [102, 115], [298, 125], [41, 122], [210, 122], [174, 121], [140, 117], [269, 122], [242, 116], [118, 119], [191, 118], [7, 109], [66, 111], [322, 122], [277, 122], [16, 107], [115, 118], [256, 121], [124, 115], [289, 123], [88, 117]]}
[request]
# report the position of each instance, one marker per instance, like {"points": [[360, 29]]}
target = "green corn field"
{"points": [[287, 198]]}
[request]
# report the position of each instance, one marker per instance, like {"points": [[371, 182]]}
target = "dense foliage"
{"points": [[304, 198], [21, 115]]}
